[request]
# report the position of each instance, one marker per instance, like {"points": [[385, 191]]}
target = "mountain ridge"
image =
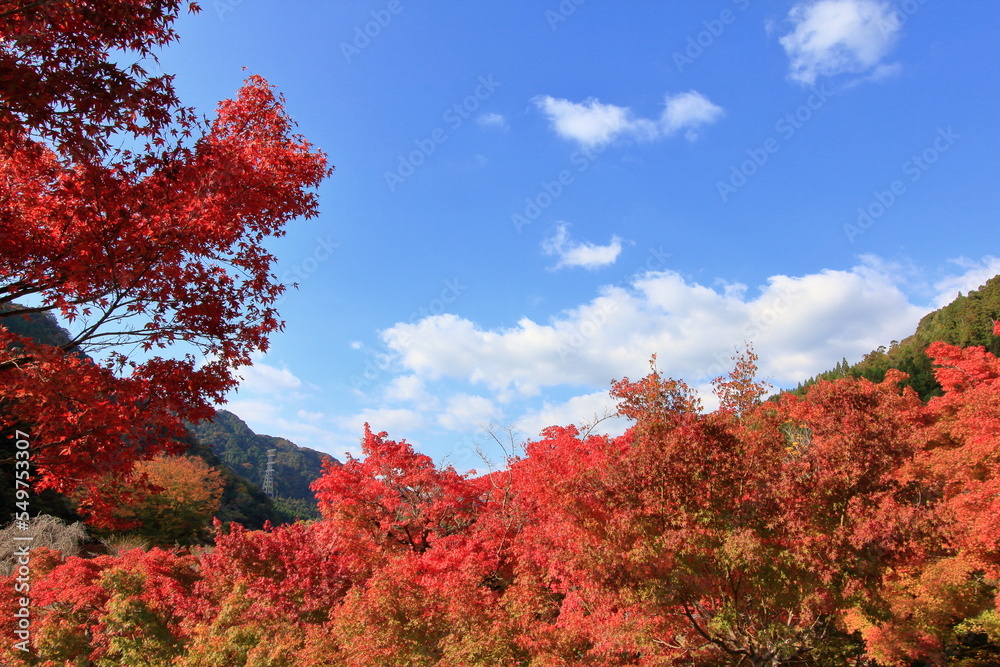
{"points": [[243, 499], [245, 452], [966, 321]]}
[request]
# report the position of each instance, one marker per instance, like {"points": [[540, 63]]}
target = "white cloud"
{"points": [[596, 409], [394, 421], [410, 389], [799, 325], [446, 376], [310, 416], [262, 411], [831, 37], [493, 120], [590, 122], [583, 254], [261, 378], [467, 413], [688, 111]]}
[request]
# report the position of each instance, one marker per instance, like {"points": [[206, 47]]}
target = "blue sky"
{"points": [[533, 198]]}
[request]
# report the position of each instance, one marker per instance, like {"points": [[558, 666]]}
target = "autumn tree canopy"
{"points": [[853, 525], [176, 498], [152, 254], [61, 83]]}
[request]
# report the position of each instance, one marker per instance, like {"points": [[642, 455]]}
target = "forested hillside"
{"points": [[42, 327], [966, 322], [224, 443], [245, 452]]}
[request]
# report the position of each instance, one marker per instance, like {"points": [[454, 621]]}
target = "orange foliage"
{"points": [[853, 525]]}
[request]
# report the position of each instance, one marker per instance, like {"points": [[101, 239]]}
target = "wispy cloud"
{"points": [[832, 37], [570, 253], [410, 389], [392, 420], [687, 112], [271, 399], [590, 122], [493, 120], [261, 378], [975, 276]]}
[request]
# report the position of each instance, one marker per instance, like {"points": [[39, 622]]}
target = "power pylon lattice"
{"points": [[269, 473]]}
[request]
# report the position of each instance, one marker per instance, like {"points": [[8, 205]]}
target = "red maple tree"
{"points": [[141, 252], [851, 525]]}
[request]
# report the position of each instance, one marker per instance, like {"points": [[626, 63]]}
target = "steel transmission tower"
{"points": [[269, 473]]}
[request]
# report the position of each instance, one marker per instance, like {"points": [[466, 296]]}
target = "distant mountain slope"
{"points": [[243, 501], [245, 452], [967, 321], [42, 327]]}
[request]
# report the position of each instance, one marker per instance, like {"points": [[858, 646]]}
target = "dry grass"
{"points": [[47, 531]]}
